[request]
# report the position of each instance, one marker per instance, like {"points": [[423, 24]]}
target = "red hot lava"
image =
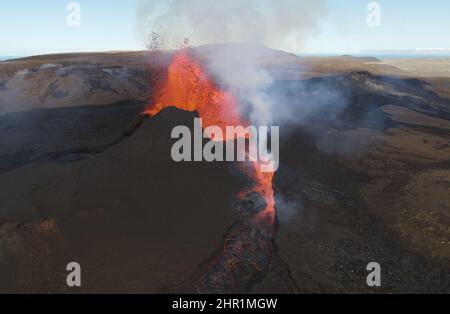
{"points": [[189, 88]]}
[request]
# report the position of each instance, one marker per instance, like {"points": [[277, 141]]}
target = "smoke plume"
{"points": [[245, 67], [283, 25], [273, 23]]}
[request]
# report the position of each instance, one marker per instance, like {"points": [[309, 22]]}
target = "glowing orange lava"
{"points": [[189, 88]]}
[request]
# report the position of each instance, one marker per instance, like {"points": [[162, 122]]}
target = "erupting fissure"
{"points": [[189, 88]]}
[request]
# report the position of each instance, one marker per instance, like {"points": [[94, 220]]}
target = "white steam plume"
{"points": [[244, 67], [280, 24]]}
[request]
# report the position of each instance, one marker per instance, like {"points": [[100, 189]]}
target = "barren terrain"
{"points": [[84, 177]]}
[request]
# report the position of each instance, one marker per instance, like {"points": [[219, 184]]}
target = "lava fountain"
{"points": [[189, 88]]}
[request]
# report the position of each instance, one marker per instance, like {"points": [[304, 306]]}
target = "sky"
{"points": [[30, 27]]}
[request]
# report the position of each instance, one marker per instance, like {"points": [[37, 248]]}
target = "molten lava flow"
{"points": [[189, 88], [264, 181]]}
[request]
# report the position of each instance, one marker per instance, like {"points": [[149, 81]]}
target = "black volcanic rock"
{"points": [[128, 214], [63, 134], [97, 185]]}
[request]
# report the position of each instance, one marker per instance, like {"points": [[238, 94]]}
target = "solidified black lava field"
{"points": [[97, 185]]}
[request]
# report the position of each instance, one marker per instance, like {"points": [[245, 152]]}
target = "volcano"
{"points": [[189, 88], [92, 180]]}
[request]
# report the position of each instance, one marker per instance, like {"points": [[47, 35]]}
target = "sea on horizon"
{"points": [[3, 58]]}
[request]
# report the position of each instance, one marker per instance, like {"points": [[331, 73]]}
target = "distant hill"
{"points": [[362, 59]]}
